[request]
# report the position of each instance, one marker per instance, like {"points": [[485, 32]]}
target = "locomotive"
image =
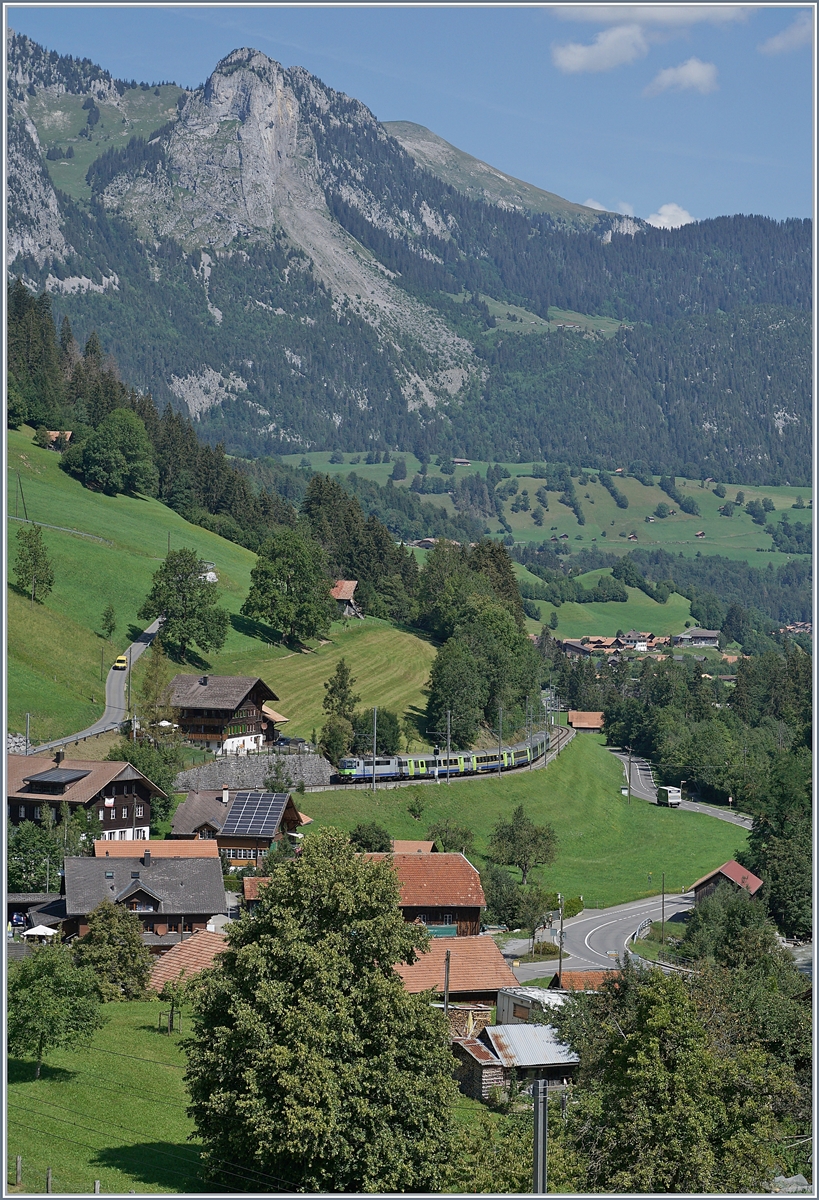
{"points": [[439, 766]]}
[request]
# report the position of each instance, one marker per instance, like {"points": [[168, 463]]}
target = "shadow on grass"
{"points": [[174, 1165], [21, 1070], [255, 629]]}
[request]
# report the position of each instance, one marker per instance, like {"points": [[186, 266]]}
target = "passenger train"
{"points": [[438, 766]]}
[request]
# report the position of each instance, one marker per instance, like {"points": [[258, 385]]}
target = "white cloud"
{"points": [[652, 14], [691, 75], [595, 204], [611, 48], [670, 216], [625, 208], [798, 33]]}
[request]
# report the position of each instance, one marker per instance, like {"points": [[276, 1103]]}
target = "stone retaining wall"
{"points": [[250, 771]]}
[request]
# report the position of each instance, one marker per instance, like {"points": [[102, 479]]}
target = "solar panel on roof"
{"points": [[255, 814], [57, 775]]}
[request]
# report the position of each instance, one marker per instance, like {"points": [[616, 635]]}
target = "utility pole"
{"points": [[629, 773], [33, 582], [169, 541], [102, 661], [560, 947], [129, 679], [446, 983], [375, 731], [500, 736], [28, 721], [448, 745], [662, 926], [541, 1141]]}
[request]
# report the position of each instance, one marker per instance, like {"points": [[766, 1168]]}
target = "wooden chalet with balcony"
{"points": [[222, 713]]}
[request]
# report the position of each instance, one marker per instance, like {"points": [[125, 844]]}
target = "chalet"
{"points": [[171, 896], [343, 592], [442, 891], [243, 824], [585, 722], [730, 872], [222, 713], [462, 462], [477, 970], [697, 637], [115, 792]]}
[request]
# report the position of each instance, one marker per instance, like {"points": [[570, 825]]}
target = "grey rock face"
{"points": [[33, 213], [251, 771]]}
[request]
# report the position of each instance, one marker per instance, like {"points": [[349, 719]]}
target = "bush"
{"points": [[368, 835], [399, 469], [572, 907]]}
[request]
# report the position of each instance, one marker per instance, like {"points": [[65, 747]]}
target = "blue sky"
{"points": [[661, 110]]}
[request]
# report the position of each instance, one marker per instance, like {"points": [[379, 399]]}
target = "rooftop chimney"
{"points": [[225, 795], [204, 681], [59, 756], [146, 858]]}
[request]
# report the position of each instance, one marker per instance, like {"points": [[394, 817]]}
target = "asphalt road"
{"points": [[597, 936], [644, 788], [116, 710]]}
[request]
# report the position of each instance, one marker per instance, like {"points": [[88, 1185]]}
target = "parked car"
{"points": [[18, 920]]}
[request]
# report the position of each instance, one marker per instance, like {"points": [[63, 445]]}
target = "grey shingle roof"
{"points": [[190, 886], [220, 691], [197, 809]]}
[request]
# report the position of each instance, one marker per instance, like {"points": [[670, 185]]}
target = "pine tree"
{"points": [[33, 568]]}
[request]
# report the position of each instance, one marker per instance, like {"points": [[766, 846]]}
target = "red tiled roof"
{"points": [[399, 847], [476, 965], [585, 720], [580, 981], [188, 957], [172, 848], [739, 875], [250, 887], [344, 589], [436, 879]]}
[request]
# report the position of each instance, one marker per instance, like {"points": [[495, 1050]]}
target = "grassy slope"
{"points": [[97, 1115], [606, 847], [59, 121], [639, 611], [55, 650], [736, 537]]}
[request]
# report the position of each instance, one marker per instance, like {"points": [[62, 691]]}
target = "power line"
{"points": [[246, 1172]]}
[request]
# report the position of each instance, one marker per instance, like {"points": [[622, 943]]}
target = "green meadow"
{"points": [[608, 526], [606, 847], [57, 655]]}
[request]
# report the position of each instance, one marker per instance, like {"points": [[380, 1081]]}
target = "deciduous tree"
{"points": [[290, 586], [520, 843], [51, 1003], [339, 698], [114, 950], [334, 1077], [187, 603]]}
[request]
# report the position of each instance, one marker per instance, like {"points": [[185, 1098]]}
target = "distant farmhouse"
{"points": [[222, 713]]}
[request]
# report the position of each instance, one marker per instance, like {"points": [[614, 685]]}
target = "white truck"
{"points": [[669, 797]]}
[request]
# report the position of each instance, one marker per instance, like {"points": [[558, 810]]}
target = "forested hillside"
{"points": [[349, 308]]}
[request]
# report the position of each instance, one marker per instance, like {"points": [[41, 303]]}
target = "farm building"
{"points": [[477, 969], [730, 872], [442, 891]]}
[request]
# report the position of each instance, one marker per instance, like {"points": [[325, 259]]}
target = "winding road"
{"points": [[596, 937], [116, 709], [643, 787]]}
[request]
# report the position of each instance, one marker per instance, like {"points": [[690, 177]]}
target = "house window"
{"points": [[122, 834], [22, 812], [187, 927], [38, 812], [125, 814], [101, 813], [173, 927], [139, 810], [448, 919], [520, 1012]]}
